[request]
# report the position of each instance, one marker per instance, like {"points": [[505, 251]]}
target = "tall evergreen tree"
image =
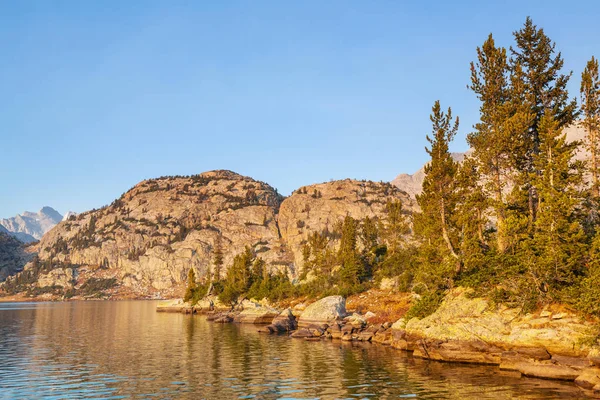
{"points": [[218, 257], [554, 254], [239, 277], [369, 233], [192, 286], [352, 270], [396, 225], [502, 121], [371, 246], [546, 86], [438, 198], [590, 107], [470, 216], [589, 290]]}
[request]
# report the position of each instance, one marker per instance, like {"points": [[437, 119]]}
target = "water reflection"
{"points": [[127, 350]]}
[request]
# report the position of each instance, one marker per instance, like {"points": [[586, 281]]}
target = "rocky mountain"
{"points": [[412, 183], [29, 226], [146, 241], [319, 207], [12, 255]]}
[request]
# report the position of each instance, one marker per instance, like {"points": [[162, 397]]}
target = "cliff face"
{"points": [[319, 207], [149, 238], [12, 255]]}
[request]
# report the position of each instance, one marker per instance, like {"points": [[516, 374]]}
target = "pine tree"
{"points": [[554, 255], [437, 201], [352, 270], [316, 253], [192, 286], [371, 249], [239, 277], [259, 270], [540, 66], [369, 234], [590, 107], [589, 290], [502, 121], [218, 258], [470, 217], [396, 225]]}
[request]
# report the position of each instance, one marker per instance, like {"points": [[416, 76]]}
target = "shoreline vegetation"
{"points": [[502, 254]]}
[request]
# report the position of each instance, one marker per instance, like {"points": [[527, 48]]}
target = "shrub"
{"points": [[425, 306]]}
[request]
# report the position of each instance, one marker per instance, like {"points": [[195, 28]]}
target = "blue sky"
{"points": [[96, 96]]}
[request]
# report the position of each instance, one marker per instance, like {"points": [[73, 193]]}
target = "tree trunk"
{"points": [[593, 150], [445, 231], [501, 235]]}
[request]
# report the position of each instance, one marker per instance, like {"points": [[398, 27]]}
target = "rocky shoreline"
{"points": [[552, 344]]}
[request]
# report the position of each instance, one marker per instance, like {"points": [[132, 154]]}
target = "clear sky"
{"points": [[98, 95]]}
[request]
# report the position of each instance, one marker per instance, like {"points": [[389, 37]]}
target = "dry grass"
{"points": [[387, 307]]}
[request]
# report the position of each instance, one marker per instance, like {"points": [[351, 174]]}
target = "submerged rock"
{"points": [[223, 318], [302, 333], [284, 322]]}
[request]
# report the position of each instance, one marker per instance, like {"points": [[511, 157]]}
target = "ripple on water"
{"points": [[127, 350]]}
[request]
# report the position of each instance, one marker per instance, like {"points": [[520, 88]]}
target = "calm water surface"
{"points": [[127, 350]]}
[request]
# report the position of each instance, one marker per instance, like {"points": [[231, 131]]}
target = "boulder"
{"points": [[389, 284], [457, 351], [254, 313], [383, 337], [335, 331], [223, 318], [535, 353], [588, 378], [356, 320], [177, 305], [369, 316], [283, 322], [547, 370], [594, 357], [326, 310], [462, 317]]}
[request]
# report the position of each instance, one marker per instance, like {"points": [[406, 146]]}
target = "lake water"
{"points": [[127, 350]]}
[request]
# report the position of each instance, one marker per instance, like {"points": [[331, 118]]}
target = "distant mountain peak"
{"points": [[30, 226], [52, 213]]}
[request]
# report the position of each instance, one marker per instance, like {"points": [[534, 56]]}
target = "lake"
{"points": [[125, 349]]}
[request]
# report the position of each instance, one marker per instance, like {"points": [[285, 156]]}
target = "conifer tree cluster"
{"points": [[517, 218]]}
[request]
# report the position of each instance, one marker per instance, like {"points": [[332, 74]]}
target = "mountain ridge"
{"points": [[29, 226], [149, 238]]}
